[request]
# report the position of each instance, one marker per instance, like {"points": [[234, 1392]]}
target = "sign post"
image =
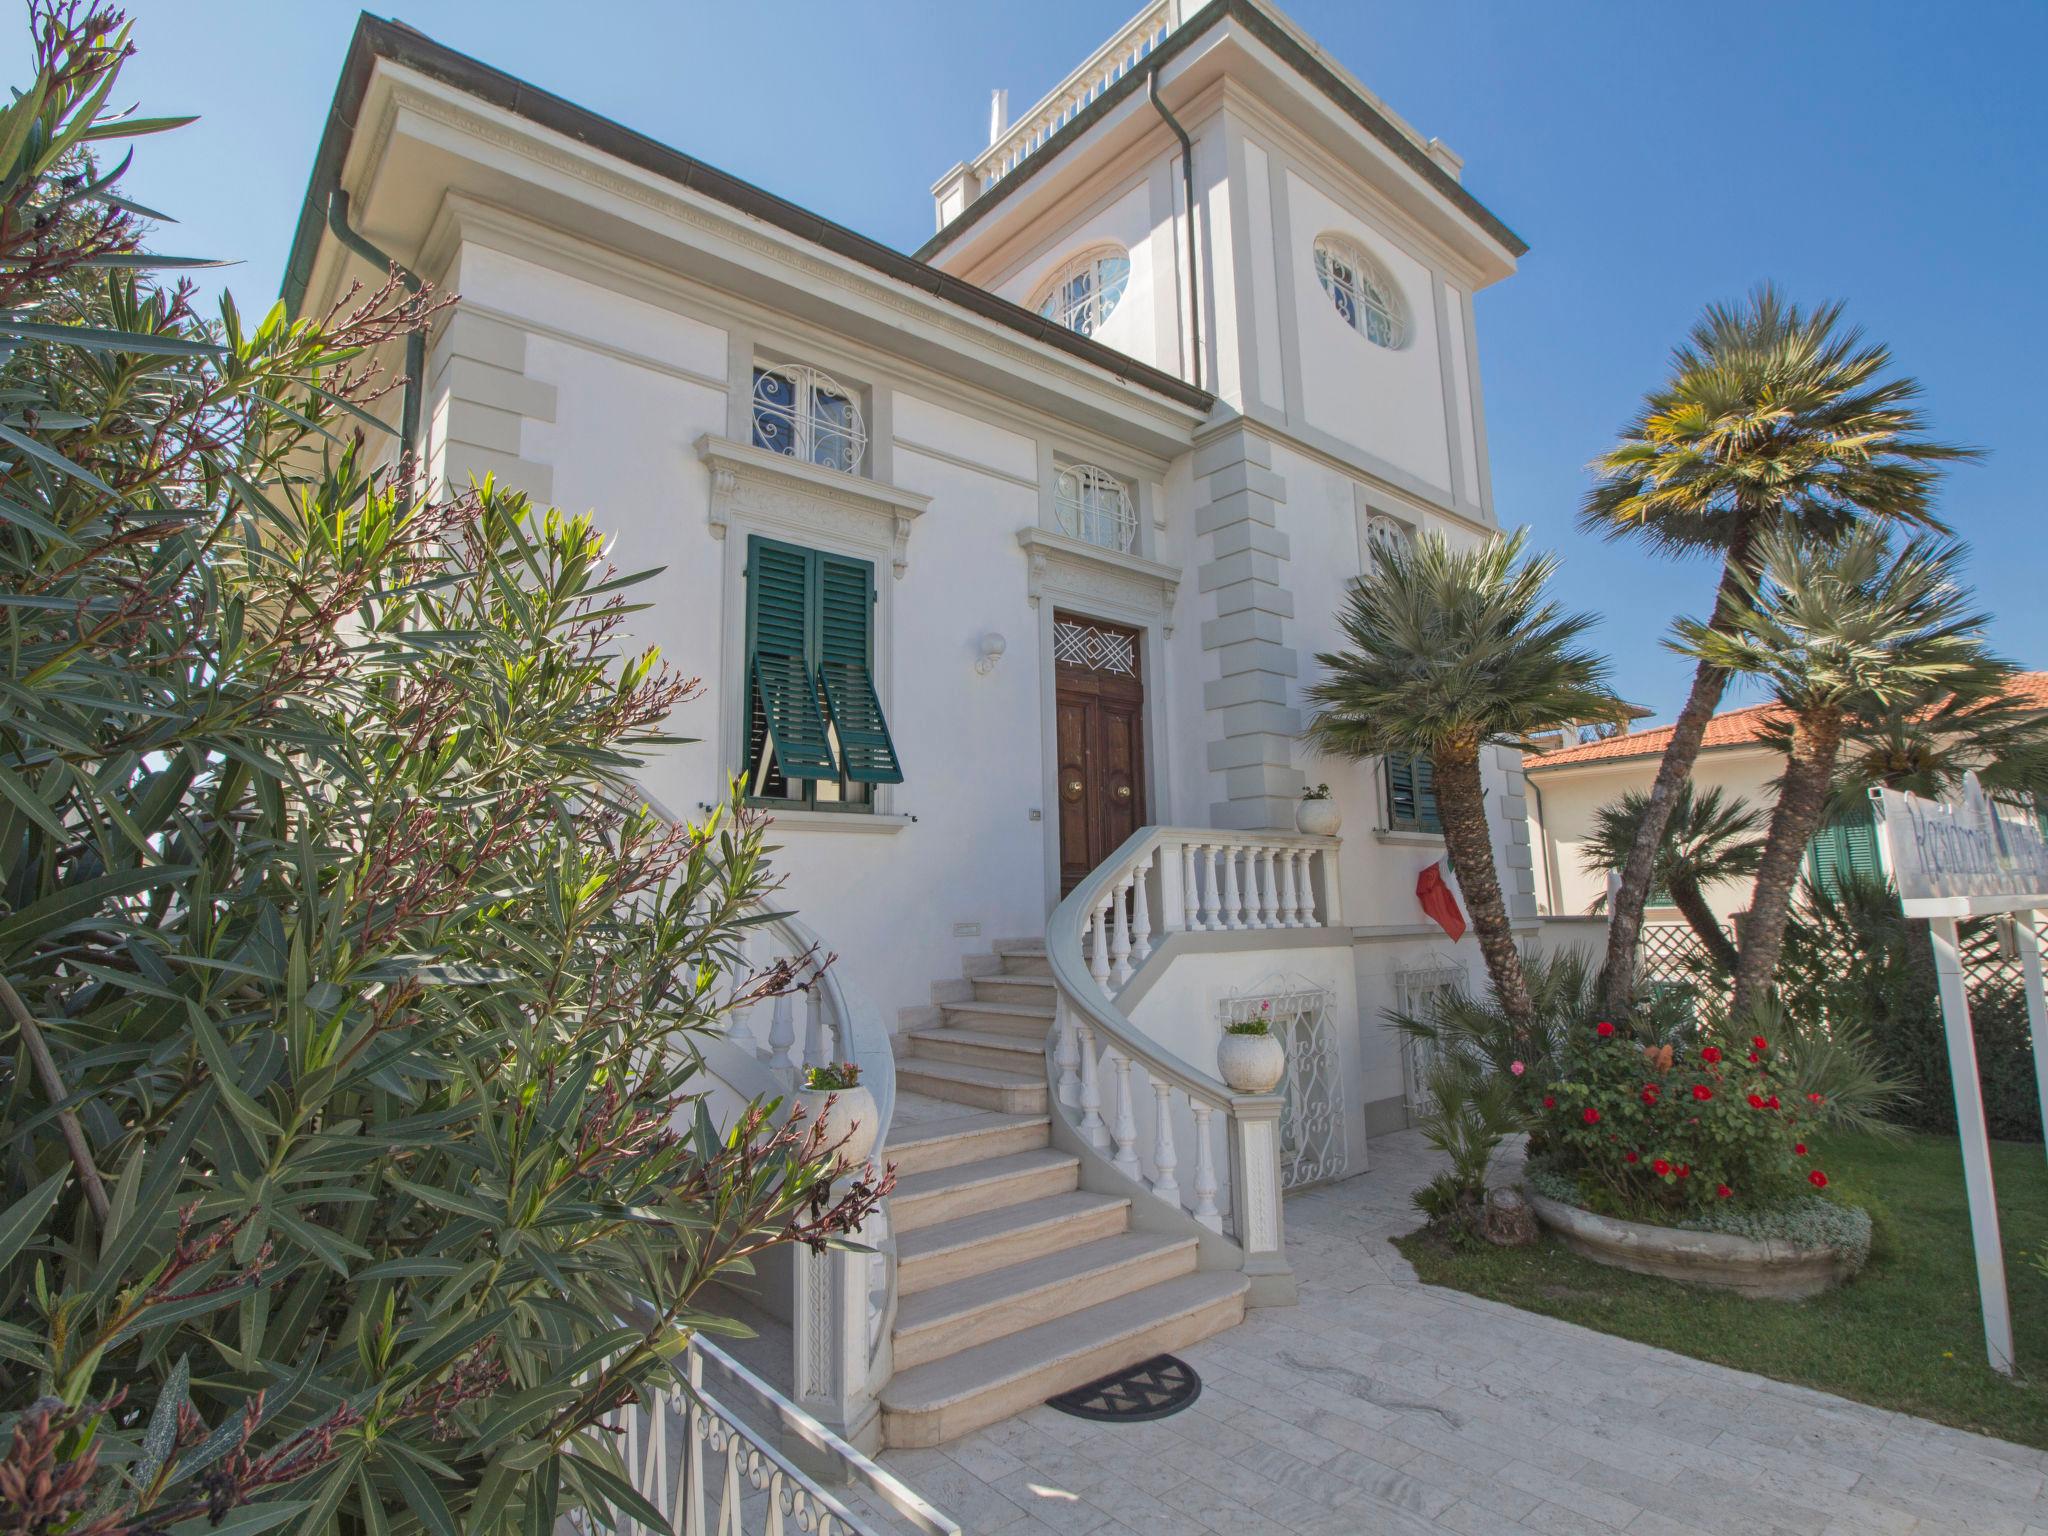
{"points": [[1970, 858]]}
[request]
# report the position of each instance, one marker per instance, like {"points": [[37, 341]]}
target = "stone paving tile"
{"points": [[1383, 1407]]}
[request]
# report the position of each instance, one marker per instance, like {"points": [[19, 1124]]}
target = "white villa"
{"points": [[1004, 565]]}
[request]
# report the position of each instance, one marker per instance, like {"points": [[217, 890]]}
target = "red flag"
{"points": [[1440, 901]]}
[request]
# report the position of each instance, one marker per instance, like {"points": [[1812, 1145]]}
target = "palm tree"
{"points": [[1451, 651], [1773, 417], [1711, 839], [1841, 632], [1926, 741]]}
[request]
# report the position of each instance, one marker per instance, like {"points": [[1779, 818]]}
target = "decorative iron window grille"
{"points": [[1076, 644], [1414, 992], [1385, 535], [1094, 506], [809, 416], [1083, 293], [1314, 1144], [1363, 292]]}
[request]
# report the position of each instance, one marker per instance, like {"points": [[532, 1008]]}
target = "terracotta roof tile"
{"points": [[1731, 728]]}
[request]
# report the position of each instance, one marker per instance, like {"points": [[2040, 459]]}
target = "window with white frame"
{"points": [[1094, 506], [809, 416], [1083, 293], [1362, 290], [1386, 535]]}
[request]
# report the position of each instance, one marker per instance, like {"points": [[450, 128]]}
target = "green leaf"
{"points": [[22, 1218], [215, 1053], [245, 1521], [421, 1496]]}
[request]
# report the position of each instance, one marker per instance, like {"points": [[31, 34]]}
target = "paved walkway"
{"points": [[1383, 1405]]}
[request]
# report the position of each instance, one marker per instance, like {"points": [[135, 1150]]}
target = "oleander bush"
{"points": [[356, 1164]]}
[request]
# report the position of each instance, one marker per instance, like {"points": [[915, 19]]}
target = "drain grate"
{"points": [[1152, 1390]]}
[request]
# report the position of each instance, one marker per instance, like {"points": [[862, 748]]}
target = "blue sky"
{"points": [[1655, 157]]}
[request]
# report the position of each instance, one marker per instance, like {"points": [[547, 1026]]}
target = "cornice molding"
{"points": [[757, 486], [1070, 568]]}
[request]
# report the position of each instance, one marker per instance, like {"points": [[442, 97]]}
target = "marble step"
{"points": [[1022, 957], [1014, 989], [964, 1138], [925, 1199], [935, 1323], [975, 1244], [1004, 1052], [965, 1391], [957, 1082]]}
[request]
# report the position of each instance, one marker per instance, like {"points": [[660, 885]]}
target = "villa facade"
{"points": [[1004, 566]]}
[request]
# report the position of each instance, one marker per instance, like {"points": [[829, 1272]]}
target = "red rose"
{"points": [[1702, 1092], [1760, 1042], [1650, 1093], [1590, 1115], [1756, 1101], [1603, 1029], [1630, 1157], [1711, 1054], [1549, 1102], [1723, 1191], [1660, 1167], [1771, 1102], [1799, 1149], [1813, 1098], [1817, 1179], [1685, 1170], [1754, 1057]]}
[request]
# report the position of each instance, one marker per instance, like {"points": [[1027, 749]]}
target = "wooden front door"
{"points": [[1101, 707]]}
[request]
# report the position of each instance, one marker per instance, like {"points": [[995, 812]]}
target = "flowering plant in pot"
{"points": [[1250, 1056], [1317, 815], [835, 1096]]}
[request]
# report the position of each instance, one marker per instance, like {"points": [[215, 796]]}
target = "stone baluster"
{"points": [[1205, 1169], [1212, 890], [1190, 892], [1091, 1089], [1164, 1160], [781, 1033], [1098, 948], [818, 1043], [1123, 1126], [1268, 891], [1141, 914], [1120, 932], [1305, 886], [1067, 1054], [1289, 907], [1233, 900]]}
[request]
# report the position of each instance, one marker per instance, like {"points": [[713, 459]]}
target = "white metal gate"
{"points": [[1314, 1144]]}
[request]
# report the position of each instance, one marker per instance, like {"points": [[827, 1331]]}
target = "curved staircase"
{"points": [[1013, 1283]]}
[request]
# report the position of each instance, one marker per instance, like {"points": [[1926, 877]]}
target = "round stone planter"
{"points": [[852, 1115], [1767, 1268], [1318, 818], [1251, 1063]]}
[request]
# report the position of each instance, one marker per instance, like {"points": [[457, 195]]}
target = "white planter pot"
{"points": [[852, 1115], [1318, 818], [1251, 1063]]}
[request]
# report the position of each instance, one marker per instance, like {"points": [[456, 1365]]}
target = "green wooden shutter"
{"points": [[782, 587], [1411, 793], [846, 609], [1843, 847]]}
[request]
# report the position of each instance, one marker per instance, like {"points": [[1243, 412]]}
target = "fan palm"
{"points": [[1711, 839], [1449, 652], [1841, 632], [1925, 742], [1773, 416]]}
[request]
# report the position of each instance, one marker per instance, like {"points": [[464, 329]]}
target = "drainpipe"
{"points": [[415, 341], [1187, 178]]}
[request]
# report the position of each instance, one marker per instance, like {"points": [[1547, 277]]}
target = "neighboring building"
{"points": [[994, 556], [1569, 785]]}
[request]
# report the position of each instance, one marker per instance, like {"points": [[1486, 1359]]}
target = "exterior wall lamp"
{"points": [[992, 647]]}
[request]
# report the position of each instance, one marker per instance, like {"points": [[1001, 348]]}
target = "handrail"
{"points": [[1198, 880], [1100, 70], [663, 1440]]}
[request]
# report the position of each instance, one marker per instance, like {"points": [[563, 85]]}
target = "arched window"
{"points": [[1362, 290], [803, 413], [1385, 535], [1083, 293], [1094, 506]]}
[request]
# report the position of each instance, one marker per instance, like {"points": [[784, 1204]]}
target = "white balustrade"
{"points": [[1205, 1168], [1102, 69], [1091, 1090], [1141, 914], [1067, 1054], [781, 1033], [1165, 1161], [1123, 1127], [1120, 932]]}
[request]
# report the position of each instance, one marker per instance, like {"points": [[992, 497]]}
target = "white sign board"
{"points": [[1970, 857]]}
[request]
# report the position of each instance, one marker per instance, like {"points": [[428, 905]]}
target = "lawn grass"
{"points": [[1904, 1334]]}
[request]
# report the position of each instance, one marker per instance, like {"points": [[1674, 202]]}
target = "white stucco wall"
{"points": [[1126, 221]]}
